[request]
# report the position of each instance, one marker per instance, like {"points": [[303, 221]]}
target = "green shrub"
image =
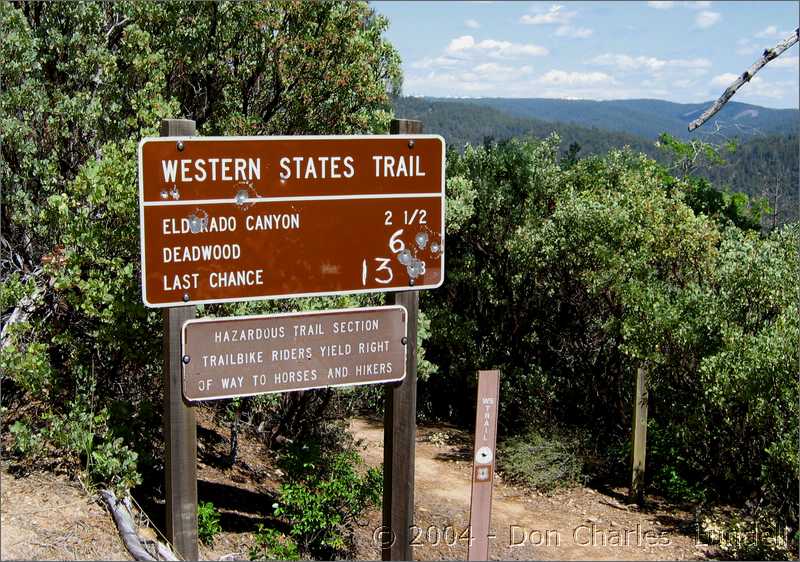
{"points": [[324, 493], [26, 362], [542, 462], [757, 536], [114, 465], [208, 525], [673, 474], [74, 431], [26, 441], [568, 280], [673, 486], [273, 545], [85, 438]]}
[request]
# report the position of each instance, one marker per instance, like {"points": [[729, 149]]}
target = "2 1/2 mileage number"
{"points": [[420, 216]]}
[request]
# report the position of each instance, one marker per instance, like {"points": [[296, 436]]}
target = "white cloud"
{"points": [[745, 47], [785, 62], [500, 72], [472, 24], [492, 68], [668, 5], [434, 62], [555, 15], [480, 64], [461, 44], [724, 80], [560, 77], [769, 31], [689, 63], [449, 84], [706, 19], [574, 32], [466, 44], [772, 31], [699, 5], [649, 64], [749, 46], [520, 82]]}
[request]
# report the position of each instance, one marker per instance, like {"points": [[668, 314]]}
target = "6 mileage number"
{"points": [[408, 245]]}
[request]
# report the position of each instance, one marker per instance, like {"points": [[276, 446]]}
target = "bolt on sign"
{"points": [[243, 218], [243, 356], [483, 464]]}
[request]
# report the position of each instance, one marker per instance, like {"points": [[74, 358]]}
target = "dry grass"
{"points": [[47, 517]]}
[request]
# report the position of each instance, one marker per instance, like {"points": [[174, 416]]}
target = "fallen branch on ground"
{"points": [[128, 532]]}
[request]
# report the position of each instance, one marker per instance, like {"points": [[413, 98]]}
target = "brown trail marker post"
{"points": [[484, 462], [400, 420], [639, 449], [180, 427]]}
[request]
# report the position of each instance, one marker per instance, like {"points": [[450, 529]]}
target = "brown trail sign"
{"points": [[244, 356], [484, 463], [226, 219], [246, 218]]}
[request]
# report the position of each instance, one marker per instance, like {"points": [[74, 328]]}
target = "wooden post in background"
{"points": [[639, 445], [400, 426], [180, 428], [483, 463]]}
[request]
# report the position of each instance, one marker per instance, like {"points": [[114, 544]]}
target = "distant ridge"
{"points": [[465, 122], [645, 118]]}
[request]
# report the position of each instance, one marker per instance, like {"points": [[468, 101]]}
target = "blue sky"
{"points": [[678, 51]]}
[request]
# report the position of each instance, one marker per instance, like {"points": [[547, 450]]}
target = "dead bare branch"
{"points": [[768, 55], [127, 527], [19, 314]]}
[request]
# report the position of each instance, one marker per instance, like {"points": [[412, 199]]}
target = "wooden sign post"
{"points": [[400, 425], [180, 427], [484, 462]]}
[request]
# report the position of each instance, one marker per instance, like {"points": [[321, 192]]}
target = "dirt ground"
{"points": [[576, 524], [243, 493], [45, 516]]}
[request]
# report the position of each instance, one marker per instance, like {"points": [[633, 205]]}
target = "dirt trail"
{"points": [[577, 524], [45, 516]]}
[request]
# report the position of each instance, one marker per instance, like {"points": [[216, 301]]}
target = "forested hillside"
{"points": [[463, 122], [766, 167], [649, 118], [759, 166]]}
